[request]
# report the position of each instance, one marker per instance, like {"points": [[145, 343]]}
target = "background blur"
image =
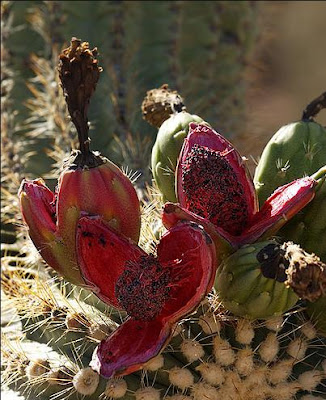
{"points": [[246, 67], [287, 69]]}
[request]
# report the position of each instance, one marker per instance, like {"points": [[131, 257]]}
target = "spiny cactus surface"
{"points": [[143, 44], [209, 351]]}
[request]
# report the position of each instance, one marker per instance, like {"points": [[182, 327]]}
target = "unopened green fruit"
{"points": [[244, 288], [166, 151], [296, 150]]}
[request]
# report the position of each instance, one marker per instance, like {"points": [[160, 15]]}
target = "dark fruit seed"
{"points": [[213, 190]]}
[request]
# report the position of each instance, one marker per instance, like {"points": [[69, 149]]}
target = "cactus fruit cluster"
{"points": [[204, 297]]}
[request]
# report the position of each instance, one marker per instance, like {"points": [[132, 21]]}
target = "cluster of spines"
{"points": [[212, 353], [135, 62]]}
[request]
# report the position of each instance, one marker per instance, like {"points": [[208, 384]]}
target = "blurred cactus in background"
{"points": [[200, 49], [142, 45]]}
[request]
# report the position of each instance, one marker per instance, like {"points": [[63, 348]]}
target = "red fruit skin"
{"points": [[188, 254], [101, 255], [37, 204], [282, 205], [225, 243], [130, 347], [205, 136], [102, 190]]}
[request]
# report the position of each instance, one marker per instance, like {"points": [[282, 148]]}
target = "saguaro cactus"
{"points": [[211, 353]]}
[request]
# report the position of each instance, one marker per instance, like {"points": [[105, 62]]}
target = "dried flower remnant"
{"points": [[306, 274]]}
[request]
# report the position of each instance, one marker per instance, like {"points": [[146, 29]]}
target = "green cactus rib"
{"points": [[53, 332]]}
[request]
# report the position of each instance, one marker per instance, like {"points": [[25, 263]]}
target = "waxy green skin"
{"points": [[166, 151], [300, 147], [296, 150], [244, 290]]}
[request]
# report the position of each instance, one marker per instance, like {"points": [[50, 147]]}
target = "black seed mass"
{"points": [[143, 289], [213, 190]]}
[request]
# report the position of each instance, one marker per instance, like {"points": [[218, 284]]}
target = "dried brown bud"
{"points": [[160, 103], [79, 73], [306, 273]]}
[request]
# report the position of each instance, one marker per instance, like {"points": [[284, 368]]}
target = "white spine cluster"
{"points": [[37, 368], [223, 352], [86, 381], [192, 350], [115, 388], [147, 393], [211, 373], [244, 332], [297, 348], [182, 378], [154, 364], [269, 348]]}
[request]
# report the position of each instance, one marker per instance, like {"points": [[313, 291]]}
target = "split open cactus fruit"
{"points": [[166, 151], [52, 217], [156, 292], [89, 183], [214, 189]]}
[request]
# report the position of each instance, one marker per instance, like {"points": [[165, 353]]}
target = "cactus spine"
{"points": [[213, 353]]}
